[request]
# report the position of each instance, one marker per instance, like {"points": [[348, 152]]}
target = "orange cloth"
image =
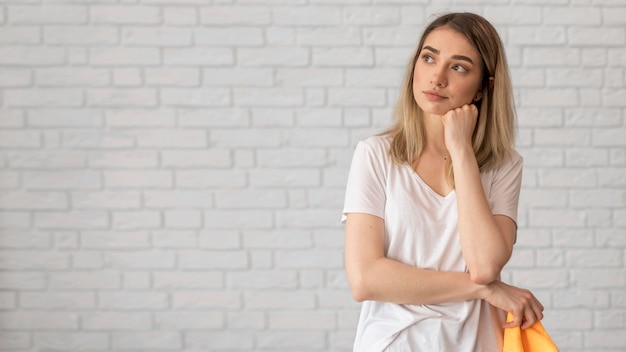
{"points": [[533, 339]]}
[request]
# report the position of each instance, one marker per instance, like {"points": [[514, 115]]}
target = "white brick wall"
{"points": [[172, 171]]}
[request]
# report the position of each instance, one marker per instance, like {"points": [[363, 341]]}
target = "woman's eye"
{"points": [[459, 68], [427, 58]]}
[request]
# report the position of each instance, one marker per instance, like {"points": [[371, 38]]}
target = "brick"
{"points": [[228, 36], [344, 57], [80, 35], [183, 219], [277, 340], [329, 36], [57, 300], [611, 177], [306, 218], [15, 340], [132, 300], [570, 177], [268, 97], [115, 239], [311, 258], [136, 219], [613, 15], [246, 320], [353, 97], [273, 56], [80, 117], [127, 77], [33, 200], [562, 137], [290, 157], [212, 260], [569, 77], [193, 300], [302, 320], [540, 97], [198, 56], [551, 56], [214, 117], [608, 137], [124, 56], [587, 158], [240, 77], [213, 158], [19, 35], [598, 278], [76, 219], [219, 239], [235, 15], [540, 278], [44, 97], [174, 238], [140, 260], [60, 77], [195, 97], [22, 280], [40, 320], [156, 36], [49, 14], [275, 239], [557, 218], [220, 340], [16, 55], [277, 299], [178, 76], [597, 198], [134, 159], [25, 240], [225, 219], [210, 179], [189, 320], [522, 15], [15, 220], [532, 35], [310, 16], [592, 117], [121, 97], [71, 340], [188, 280], [176, 199], [126, 14], [146, 340], [100, 139], [263, 279], [605, 36], [372, 15], [138, 179], [179, 15], [229, 138], [579, 15], [61, 179]]}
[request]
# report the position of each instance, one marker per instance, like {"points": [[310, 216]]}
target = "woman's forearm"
{"points": [[391, 281], [485, 241]]}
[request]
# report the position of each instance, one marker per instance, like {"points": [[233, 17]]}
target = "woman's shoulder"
{"points": [[378, 143]]}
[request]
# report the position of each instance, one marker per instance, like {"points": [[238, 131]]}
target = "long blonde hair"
{"points": [[494, 135]]}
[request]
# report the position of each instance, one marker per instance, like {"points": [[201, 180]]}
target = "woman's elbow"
{"points": [[484, 277], [359, 288]]}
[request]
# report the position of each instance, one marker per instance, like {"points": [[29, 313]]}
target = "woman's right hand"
{"points": [[524, 306]]}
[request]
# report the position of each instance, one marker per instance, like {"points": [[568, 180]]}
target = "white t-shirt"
{"points": [[421, 230]]}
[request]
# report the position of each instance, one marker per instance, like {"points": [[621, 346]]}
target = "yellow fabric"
{"points": [[533, 339]]}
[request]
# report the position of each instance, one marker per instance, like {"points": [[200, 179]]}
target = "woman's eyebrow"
{"points": [[456, 57]]}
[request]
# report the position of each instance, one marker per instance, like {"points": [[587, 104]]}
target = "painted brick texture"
{"points": [[172, 171]]}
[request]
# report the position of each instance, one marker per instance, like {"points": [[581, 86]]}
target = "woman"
{"points": [[431, 204]]}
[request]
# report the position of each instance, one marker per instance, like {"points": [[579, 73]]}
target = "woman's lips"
{"points": [[434, 96]]}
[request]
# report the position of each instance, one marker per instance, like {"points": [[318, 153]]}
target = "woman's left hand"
{"points": [[459, 125]]}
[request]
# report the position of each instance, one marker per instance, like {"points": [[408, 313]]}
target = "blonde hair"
{"points": [[494, 135]]}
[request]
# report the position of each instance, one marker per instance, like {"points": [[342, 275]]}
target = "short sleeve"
{"points": [[365, 190], [505, 187]]}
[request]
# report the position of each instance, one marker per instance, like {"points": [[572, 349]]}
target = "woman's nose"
{"points": [[439, 78]]}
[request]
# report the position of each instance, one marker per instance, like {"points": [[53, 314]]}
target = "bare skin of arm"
{"points": [[486, 240], [372, 276]]}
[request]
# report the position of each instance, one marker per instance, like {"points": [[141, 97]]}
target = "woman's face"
{"points": [[447, 74]]}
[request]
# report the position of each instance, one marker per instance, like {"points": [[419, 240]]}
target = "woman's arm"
{"points": [[486, 240], [372, 276]]}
